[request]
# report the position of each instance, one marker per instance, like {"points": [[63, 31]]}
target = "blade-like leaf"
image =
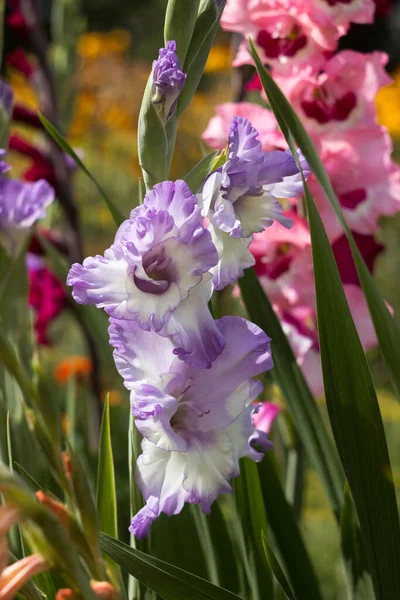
{"points": [[387, 329], [86, 507], [353, 552], [203, 36], [276, 568], [180, 20], [351, 399], [197, 175], [250, 502], [170, 582], [116, 214], [355, 416], [15, 492], [287, 534], [300, 402], [106, 498]]}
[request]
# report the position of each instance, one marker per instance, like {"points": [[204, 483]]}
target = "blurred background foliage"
{"points": [[101, 54]]}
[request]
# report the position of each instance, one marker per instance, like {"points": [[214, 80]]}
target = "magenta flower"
{"points": [[47, 296]]}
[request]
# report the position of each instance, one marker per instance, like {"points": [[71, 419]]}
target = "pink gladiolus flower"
{"points": [[46, 295], [343, 96], [339, 12], [265, 415], [284, 264], [286, 37]]}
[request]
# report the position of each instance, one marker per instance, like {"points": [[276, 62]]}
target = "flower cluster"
{"points": [[155, 282], [333, 92]]}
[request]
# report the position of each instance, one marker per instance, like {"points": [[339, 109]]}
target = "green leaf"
{"points": [[353, 552], [154, 152], [276, 568], [15, 491], [116, 214], [287, 534], [87, 510], [299, 399], [355, 416], [170, 582], [197, 175], [106, 498], [387, 329], [203, 36], [180, 20], [249, 498]]}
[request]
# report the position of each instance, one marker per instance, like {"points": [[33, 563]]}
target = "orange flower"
{"points": [[15, 576], [58, 508], [102, 589], [79, 367]]}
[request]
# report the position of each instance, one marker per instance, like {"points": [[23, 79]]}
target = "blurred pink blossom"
{"points": [[342, 97]]}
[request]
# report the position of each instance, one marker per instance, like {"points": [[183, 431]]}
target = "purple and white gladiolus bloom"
{"points": [[241, 198], [195, 428], [168, 81], [152, 274], [21, 204]]}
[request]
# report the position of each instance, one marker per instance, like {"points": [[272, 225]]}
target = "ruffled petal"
{"points": [[259, 211], [193, 330], [140, 356], [234, 257], [100, 280]]}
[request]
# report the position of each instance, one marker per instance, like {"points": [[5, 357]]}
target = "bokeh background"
{"points": [[101, 54]]}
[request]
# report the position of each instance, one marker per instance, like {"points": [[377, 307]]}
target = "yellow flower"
{"points": [[219, 59], [388, 106], [95, 44]]}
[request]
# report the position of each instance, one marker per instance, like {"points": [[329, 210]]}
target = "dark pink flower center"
{"points": [[323, 109], [277, 266], [352, 199], [275, 47], [369, 248], [336, 2]]}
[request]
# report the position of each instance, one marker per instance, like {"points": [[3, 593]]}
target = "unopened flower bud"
{"points": [[104, 590], [15, 576], [67, 464], [168, 81], [58, 508]]}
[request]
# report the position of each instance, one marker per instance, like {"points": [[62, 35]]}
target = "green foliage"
{"points": [[170, 582], [351, 399], [276, 568], [300, 402]]}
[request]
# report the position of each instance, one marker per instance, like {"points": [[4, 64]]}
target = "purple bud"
{"points": [[168, 81]]}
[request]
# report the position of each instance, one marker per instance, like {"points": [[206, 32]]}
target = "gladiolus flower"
{"points": [[240, 199], [152, 273], [195, 428]]}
